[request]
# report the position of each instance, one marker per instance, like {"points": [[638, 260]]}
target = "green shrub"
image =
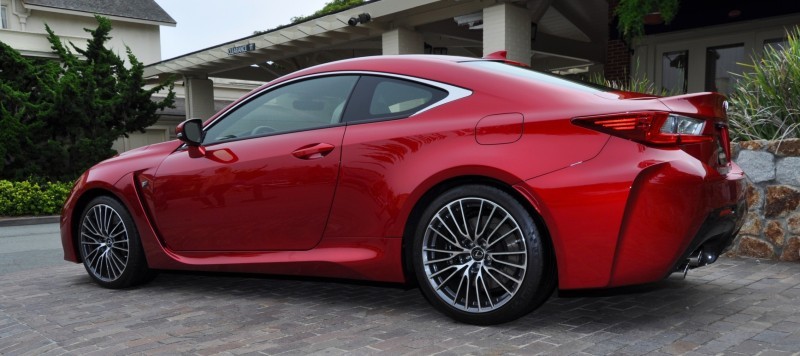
{"points": [[633, 83], [26, 198], [60, 117], [765, 104]]}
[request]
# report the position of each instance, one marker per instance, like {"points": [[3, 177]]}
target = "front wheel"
{"points": [[479, 257], [109, 245]]}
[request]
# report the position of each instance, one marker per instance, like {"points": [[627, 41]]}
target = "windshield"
{"points": [[539, 77]]}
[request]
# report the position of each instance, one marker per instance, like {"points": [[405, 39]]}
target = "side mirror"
{"points": [[190, 132]]}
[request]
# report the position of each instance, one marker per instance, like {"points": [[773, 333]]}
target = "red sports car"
{"points": [[484, 183]]}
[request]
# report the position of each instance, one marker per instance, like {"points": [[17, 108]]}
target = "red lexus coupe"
{"points": [[486, 184]]}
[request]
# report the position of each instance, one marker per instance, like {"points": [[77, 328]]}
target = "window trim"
{"points": [[266, 90], [453, 93], [348, 113]]}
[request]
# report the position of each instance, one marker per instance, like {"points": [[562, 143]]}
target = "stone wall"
{"points": [[772, 228]]}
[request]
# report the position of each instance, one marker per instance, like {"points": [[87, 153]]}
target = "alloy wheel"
{"points": [[104, 243], [474, 255]]}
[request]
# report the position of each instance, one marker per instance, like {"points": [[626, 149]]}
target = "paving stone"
{"points": [[735, 306], [605, 348], [776, 353], [679, 347]]}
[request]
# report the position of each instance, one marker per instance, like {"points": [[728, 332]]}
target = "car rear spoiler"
{"points": [[709, 105], [500, 56]]}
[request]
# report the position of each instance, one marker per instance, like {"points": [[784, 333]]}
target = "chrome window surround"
{"points": [[453, 92]]}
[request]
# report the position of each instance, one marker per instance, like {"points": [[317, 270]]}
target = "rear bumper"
{"points": [[715, 235], [634, 214], [675, 213]]}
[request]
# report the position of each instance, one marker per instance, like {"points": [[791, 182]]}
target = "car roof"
{"points": [[398, 64], [446, 69]]}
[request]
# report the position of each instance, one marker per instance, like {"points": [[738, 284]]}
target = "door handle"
{"points": [[313, 151]]}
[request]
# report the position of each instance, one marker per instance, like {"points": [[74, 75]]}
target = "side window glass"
{"points": [[309, 104], [390, 98]]}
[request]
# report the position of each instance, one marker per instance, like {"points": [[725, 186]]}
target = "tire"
{"points": [[109, 245], [479, 258]]}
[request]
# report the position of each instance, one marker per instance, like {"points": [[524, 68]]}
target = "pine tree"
{"points": [[57, 118]]}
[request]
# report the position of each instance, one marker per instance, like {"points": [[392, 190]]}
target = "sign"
{"points": [[241, 49]]}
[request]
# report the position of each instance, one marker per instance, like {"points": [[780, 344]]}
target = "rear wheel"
{"points": [[109, 245], [479, 256]]}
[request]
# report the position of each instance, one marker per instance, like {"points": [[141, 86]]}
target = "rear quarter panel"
{"points": [[388, 166]]}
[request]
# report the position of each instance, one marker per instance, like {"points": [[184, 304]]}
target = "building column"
{"points": [[199, 93], [402, 41], [507, 27]]}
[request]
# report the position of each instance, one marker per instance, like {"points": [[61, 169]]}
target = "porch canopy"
{"points": [[565, 36]]}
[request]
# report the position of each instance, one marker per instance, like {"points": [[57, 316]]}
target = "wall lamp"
{"points": [[360, 19]]}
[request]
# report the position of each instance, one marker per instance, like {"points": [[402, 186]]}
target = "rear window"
{"points": [[539, 77]]}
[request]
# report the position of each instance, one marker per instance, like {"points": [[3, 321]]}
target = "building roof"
{"points": [[568, 35], [147, 10]]}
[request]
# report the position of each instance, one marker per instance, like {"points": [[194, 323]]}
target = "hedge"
{"points": [[26, 198]]}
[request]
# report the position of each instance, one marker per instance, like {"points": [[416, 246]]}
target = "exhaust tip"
{"points": [[698, 258], [680, 272], [702, 258]]}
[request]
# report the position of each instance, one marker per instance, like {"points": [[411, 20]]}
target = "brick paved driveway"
{"points": [[735, 307]]}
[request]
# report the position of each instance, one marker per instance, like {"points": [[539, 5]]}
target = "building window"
{"points": [[777, 43], [674, 74], [4, 16], [720, 63]]}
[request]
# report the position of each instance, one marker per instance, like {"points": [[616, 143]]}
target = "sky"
{"points": [[206, 23]]}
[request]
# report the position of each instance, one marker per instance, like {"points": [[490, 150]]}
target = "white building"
{"points": [[136, 24]]}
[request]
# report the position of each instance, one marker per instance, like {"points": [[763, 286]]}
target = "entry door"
{"points": [[252, 195], [267, 179]]}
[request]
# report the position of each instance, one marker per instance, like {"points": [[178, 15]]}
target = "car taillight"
{"points": [[650, 127]]}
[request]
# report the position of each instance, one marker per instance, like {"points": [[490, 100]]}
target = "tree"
{"points": [[330, 6], [57, 118]]}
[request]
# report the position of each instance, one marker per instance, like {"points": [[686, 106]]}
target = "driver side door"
{"points": [[267, 179]]}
